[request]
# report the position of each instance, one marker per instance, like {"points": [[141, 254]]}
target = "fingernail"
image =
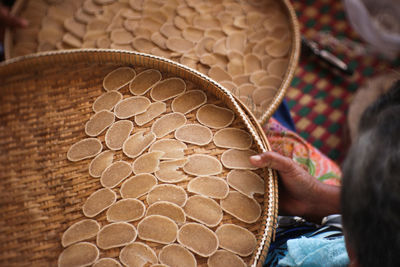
{"points": [[256, 158]]}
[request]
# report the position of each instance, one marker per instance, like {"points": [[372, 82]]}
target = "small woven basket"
{"points": [[45, 100]]}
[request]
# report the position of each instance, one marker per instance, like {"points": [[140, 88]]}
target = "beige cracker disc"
{"points": [[167, 209], [167, 89], [118, 78], [71, 40], [278, 49], [212, 187], [131, 106], [223, 258], [215, 117], [79, 231], [83, 149], [126, 210], [193, 34], [173, 149], [115, 173], [206, 21], [169, 30], [203, 210], [121, 36], [194, 134], [202, 165], [144, 81], [168, 171], [189, 101], [147, 163], [159, 40], [137, 185], [263, 93], [167, 192], [157, 228], [99, 122], [76, 28], [155, 109], [107, 262], [98, 201], [179, 45], [100, 163], [159, 265], [116, 235], [167, 124], [219, 74], [246, 182], [117, 134], [137, 254], [238, 159], [278, 67], [252, 63], [175, 255], [240, 206], [271, 81], [236, 41], [107, 101], [198, 238], [233, 138], [236, 239], [143, 44], [80, 254], [137, 143]]}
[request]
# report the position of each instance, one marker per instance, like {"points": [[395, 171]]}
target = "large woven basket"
{"points": [[45, 100], [261, 115]]}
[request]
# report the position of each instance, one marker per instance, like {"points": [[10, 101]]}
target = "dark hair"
{"points": [[370, 196]]}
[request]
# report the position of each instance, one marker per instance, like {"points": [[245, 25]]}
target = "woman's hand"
{"points": [[300, 194], [8, 20]]}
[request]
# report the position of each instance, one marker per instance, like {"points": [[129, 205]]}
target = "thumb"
{"points": [[273, 160], [6, 18]]}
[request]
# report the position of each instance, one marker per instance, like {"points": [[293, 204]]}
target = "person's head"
{"points": [[370, 196]]}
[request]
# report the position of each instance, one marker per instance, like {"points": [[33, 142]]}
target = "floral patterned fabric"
{"points": [[290, 144]]}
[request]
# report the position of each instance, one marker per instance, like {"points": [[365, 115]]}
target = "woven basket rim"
{"points": [[124, 57]]}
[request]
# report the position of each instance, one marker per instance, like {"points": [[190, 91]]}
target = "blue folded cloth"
{"points": [[316, 251]]}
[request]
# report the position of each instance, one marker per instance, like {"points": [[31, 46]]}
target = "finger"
{"points": [[7, 19], [273, 160]]}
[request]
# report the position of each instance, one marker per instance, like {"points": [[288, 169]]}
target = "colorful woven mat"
{"points": [[319, 98]]}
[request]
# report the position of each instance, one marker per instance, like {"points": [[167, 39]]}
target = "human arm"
{"points": [[300, 194]]}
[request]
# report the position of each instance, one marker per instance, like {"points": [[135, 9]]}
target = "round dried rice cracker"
{"points": [[138, 185], [147, 163], [246, 182], [173, 149], [131, 106], [157, 228], [219, 74], [126, 210], [223, 258], [203, 210], [98, 201], [85, 148], [143, 44], [99, 122], [251, 63], [79, 231], [155, 109], [271, 81], [194, 134], [278, 67], [236, 239], [115, 235], [198, 238], [204, 46], [121, 36], [238, 159], [159, 40], [76, 28], [118, 133], [137, 254], [202, 165], [167, 209], [212, 187], [167, 89], [236, 41], [137, 143], [206, 21], [100, 163], [193, 34], [168, 171], [170, 30], [179, 45], [80, 254], [241, 207], [263, 93], [278, 49], [189, 101], [118, 78], [215, 117], [107, 101], [167, 124], [144, 81], [115, 174], [175, 255], [233, 138], [107, 262], [167, 192]]}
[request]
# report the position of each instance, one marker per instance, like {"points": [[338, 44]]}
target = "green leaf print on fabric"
{"points": [[327, 176], [308, 163]]}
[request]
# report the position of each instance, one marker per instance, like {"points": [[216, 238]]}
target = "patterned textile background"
{"points": [[319, 97]]}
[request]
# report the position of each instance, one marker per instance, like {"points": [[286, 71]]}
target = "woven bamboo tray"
{"points": [[45, 101], [262, 111]]}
